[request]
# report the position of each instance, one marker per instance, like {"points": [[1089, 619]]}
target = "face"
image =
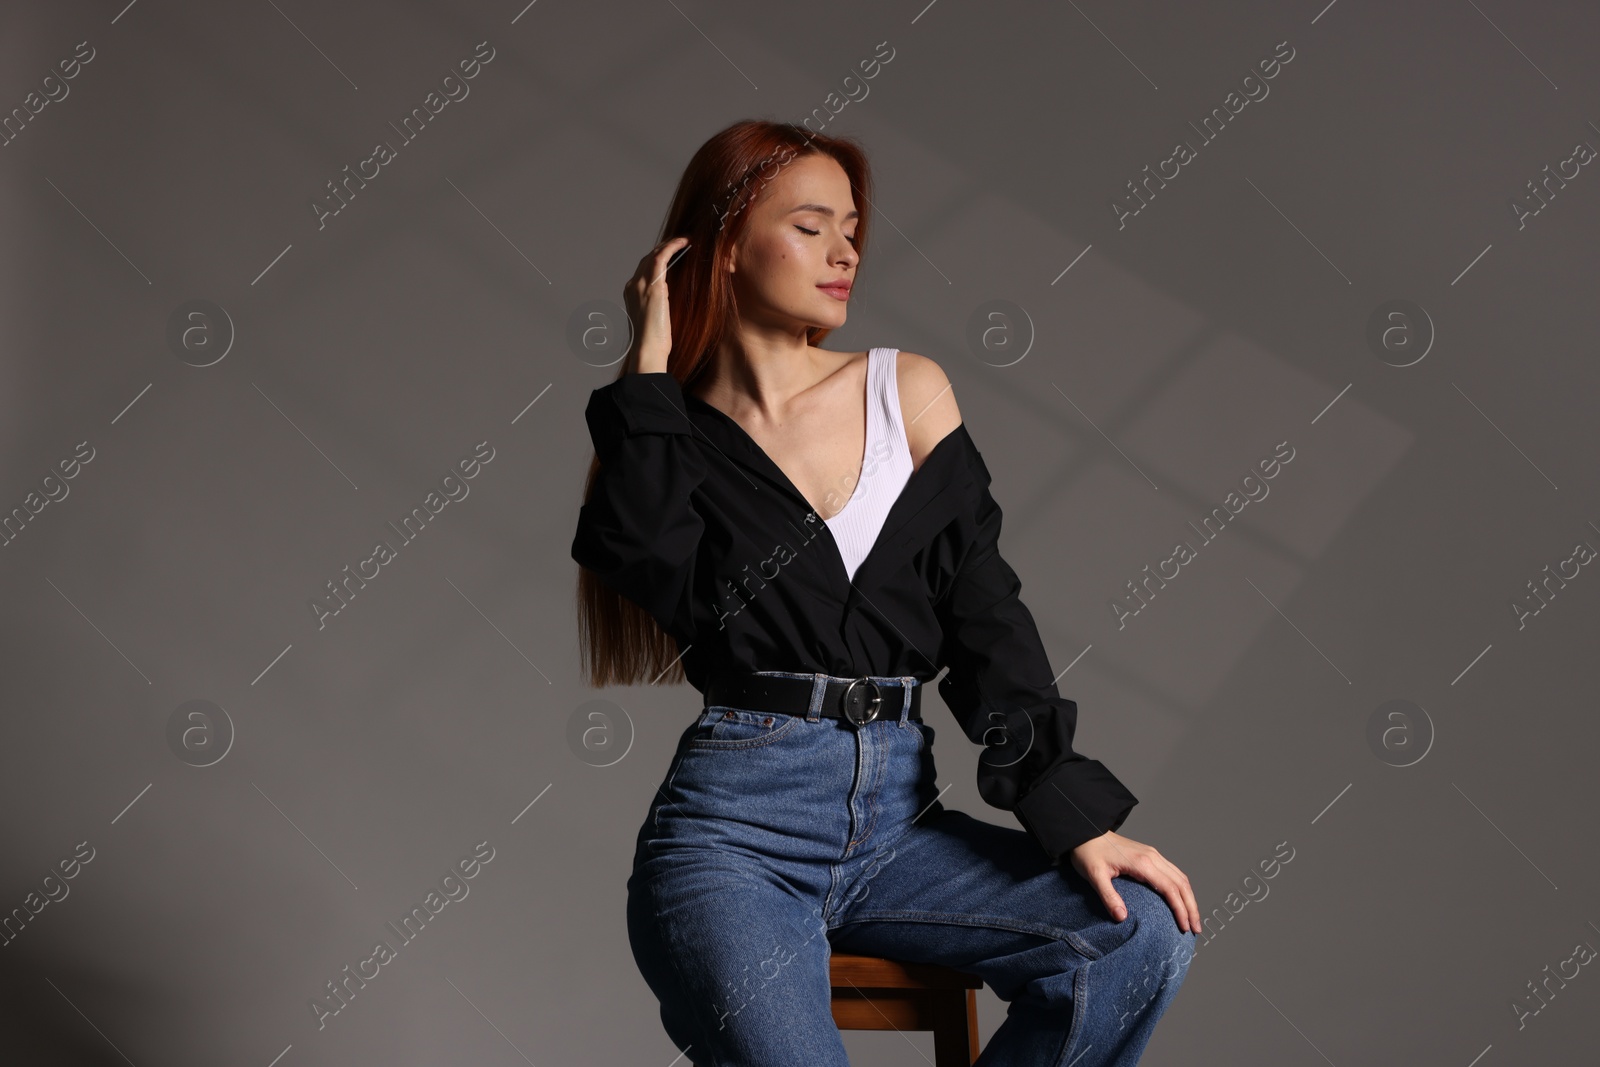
{"points": [[800, 238]]}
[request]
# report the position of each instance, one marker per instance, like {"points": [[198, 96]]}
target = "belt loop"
{"points": [[819, 686], [905, 704]]}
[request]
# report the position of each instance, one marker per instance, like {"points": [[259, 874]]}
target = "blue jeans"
{"points": [[776, 839]]}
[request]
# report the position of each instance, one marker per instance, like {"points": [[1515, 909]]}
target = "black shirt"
{"points": [[690, 519]]}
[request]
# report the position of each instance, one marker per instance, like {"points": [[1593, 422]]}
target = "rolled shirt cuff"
{"points": [[651, 403], [1078, 801]]}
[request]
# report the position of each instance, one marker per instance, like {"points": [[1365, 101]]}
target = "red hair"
{"points": [[621, 643]]}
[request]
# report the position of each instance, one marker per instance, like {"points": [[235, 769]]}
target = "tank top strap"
{"points": [[887, 391]]}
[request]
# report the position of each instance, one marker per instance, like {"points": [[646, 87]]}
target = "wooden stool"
{"points": [[878, 994]]}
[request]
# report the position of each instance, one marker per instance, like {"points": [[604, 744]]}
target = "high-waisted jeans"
{"points": [[776, 839]]}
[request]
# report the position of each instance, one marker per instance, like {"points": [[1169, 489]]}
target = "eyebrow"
{"points": [[823, 209]]}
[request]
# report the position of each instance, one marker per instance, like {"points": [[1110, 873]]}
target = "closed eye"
{"points": [[814, 233]]}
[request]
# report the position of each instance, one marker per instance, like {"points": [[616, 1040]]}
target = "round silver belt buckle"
{"points": [[855, 701]]}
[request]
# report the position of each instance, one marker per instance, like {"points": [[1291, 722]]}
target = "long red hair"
{"points": [[619, 642]]}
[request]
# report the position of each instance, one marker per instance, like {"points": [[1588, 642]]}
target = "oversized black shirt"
{"points": [[690, 519]]}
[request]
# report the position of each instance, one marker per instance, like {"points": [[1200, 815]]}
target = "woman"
{"points": [[807, 537]]}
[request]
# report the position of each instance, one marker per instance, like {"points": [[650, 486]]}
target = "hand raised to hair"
{"points": [[645, 295]]}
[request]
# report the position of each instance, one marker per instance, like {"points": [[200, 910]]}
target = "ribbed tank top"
{"points": [[885, 466]]}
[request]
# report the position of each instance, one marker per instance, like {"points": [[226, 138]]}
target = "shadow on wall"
{"points": [[41, 1026]]}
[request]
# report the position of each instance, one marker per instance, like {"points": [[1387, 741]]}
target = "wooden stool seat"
{"points": [[870, 993]]}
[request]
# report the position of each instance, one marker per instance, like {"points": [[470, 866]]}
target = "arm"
{"points": [[638, 530], [1000, 689]]}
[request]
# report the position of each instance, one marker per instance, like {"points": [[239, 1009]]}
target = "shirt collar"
{"points": [[949, 479]]}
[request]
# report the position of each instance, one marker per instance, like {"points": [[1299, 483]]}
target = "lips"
{"points": [[836, 289]]}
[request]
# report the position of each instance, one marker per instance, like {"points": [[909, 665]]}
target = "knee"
{"points": [[1162, 949]]}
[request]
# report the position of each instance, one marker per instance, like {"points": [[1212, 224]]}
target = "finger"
{"points": [[668, 243], [665, 248], [1181, 898], [1100, 878], [1156, 873], [667, 256], [649, 263], [1186, 908], [1172, 892], [1161, 876], [1194, 905]]}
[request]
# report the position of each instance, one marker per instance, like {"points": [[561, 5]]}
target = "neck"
{"points": [[761, 373]]}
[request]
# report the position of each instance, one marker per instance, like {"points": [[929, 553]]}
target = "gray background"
{"points": [[1229, 315]]}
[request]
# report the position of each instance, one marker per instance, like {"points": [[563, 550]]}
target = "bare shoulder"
{"points": [[927, 403]]}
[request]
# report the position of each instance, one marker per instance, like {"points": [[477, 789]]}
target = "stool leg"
{"points": [[955, 1031], [972, 1027]]}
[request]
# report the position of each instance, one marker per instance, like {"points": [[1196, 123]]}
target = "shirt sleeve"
{"points": [[639, 531], [1000, 689]]}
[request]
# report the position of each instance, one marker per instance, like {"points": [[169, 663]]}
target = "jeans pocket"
{"points": [[734, 728]]}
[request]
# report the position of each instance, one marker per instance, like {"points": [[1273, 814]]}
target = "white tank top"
{"points": [[885, 467]]}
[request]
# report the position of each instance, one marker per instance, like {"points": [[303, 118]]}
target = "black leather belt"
{"points": [[855, 700]]}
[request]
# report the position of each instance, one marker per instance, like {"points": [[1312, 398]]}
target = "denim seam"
{"points": [[880, 771], [876, 767], [854, 827], [748, 742], [1080, 1010], [986, 922], [754, 717], [834, 871]]}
